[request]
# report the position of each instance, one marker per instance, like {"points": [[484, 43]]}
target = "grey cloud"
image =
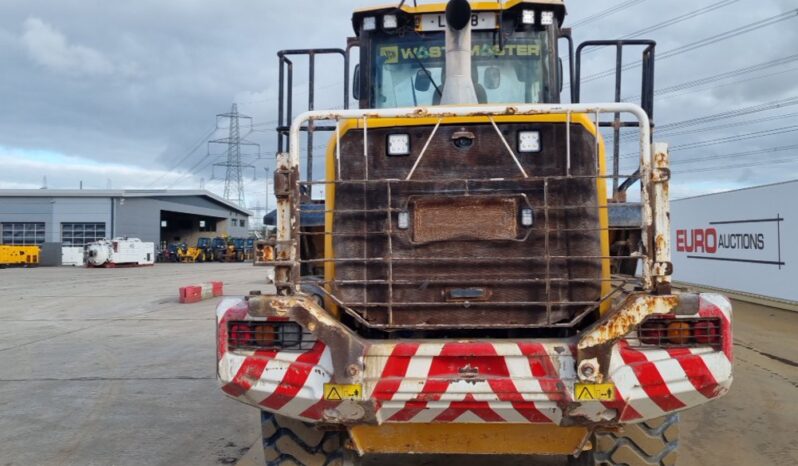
{"points": [[138, 83], [48, 47]]}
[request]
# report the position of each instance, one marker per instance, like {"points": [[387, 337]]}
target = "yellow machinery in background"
{"points": [[202, 252], [19, 255], [191, 255]]}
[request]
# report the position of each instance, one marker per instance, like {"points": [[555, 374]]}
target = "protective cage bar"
{"points": [[653, 255], [285, 107], [646, 101]]}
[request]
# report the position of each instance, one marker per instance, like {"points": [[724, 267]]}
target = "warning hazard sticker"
{"points": [[594, 392], [337, 392]]}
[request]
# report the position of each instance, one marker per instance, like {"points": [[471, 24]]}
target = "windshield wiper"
{"points": [[426, 71]]}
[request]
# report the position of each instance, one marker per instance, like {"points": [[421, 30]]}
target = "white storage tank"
{"points": [[120, 252]]}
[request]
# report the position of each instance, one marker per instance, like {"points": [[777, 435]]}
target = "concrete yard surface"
{"points": [[104, 367]]}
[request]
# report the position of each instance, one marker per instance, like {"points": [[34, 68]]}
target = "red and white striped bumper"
{"points": [[476, 381]]}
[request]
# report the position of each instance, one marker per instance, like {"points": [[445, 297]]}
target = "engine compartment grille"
{"points": [[449, 248]]}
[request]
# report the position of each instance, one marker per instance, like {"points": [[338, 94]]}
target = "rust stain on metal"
{"points": [[620, 323], [440, 219], [661, 242]]}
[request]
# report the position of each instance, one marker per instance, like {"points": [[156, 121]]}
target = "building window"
{"points": [[243, 223], [22, 234], [81, 234], [207, 226]]}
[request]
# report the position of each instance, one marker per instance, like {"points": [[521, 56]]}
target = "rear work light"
{"points": [[398, 145], [278, 336], [369, 23], [670, 332], [390, 22], [528, 17]]}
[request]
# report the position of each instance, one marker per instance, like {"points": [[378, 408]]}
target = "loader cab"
{"points": [[219, 244], [514, 54]]}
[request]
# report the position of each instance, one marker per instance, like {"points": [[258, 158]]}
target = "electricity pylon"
{"points": [[234, 167]]}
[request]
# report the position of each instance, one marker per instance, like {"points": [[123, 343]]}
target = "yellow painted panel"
{"points": [[473, 439], [19, 255], [577, 118]]}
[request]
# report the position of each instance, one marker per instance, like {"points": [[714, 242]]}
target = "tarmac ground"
{"points": [[105, 367]]}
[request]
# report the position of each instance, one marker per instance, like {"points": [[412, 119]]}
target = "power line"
{"points": [[193, 170], [670, 129], [607, 12], [732, 83], [670, 132], [788, 102], [671, 22], [737, 137], [736, 32], [728, 125], [736, 155], [193, 150], [724, 140], [721, 76], [728, 74], [678, 19], [736, 167]]}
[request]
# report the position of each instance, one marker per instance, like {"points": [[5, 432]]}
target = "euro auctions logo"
{"points": [[755, 241], [704, 241], [709, 241]]}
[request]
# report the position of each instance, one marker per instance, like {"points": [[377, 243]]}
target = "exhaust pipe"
{"points": [[459, 86]]}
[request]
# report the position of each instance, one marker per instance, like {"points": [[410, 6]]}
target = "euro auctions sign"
{"points": [[741, 240], [734, 241]]}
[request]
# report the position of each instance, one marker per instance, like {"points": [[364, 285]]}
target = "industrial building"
{"points": [[78, 217]]}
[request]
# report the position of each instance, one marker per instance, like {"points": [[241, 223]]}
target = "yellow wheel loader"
{"points": [[460, 294], [202, 252]]}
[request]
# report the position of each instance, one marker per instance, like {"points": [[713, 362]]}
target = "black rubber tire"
{"points": [[651, 443], [291, 442]]}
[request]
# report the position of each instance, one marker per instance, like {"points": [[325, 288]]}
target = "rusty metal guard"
{"points": [[373, 283], [464, 218]]}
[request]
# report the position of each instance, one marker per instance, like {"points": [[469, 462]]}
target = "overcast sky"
{"points": [[117, 93]]}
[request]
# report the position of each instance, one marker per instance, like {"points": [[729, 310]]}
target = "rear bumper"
{"points": [[483, 381]]}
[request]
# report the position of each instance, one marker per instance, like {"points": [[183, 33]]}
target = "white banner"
{"points": [[740, 240]]}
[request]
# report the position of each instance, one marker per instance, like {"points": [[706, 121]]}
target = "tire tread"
{"points": [[288, 442], [651, 443]]}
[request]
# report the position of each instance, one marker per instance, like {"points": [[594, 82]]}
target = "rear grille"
{"points": [[482, 218], [268, 336], [671, 332], [451, 247]]}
